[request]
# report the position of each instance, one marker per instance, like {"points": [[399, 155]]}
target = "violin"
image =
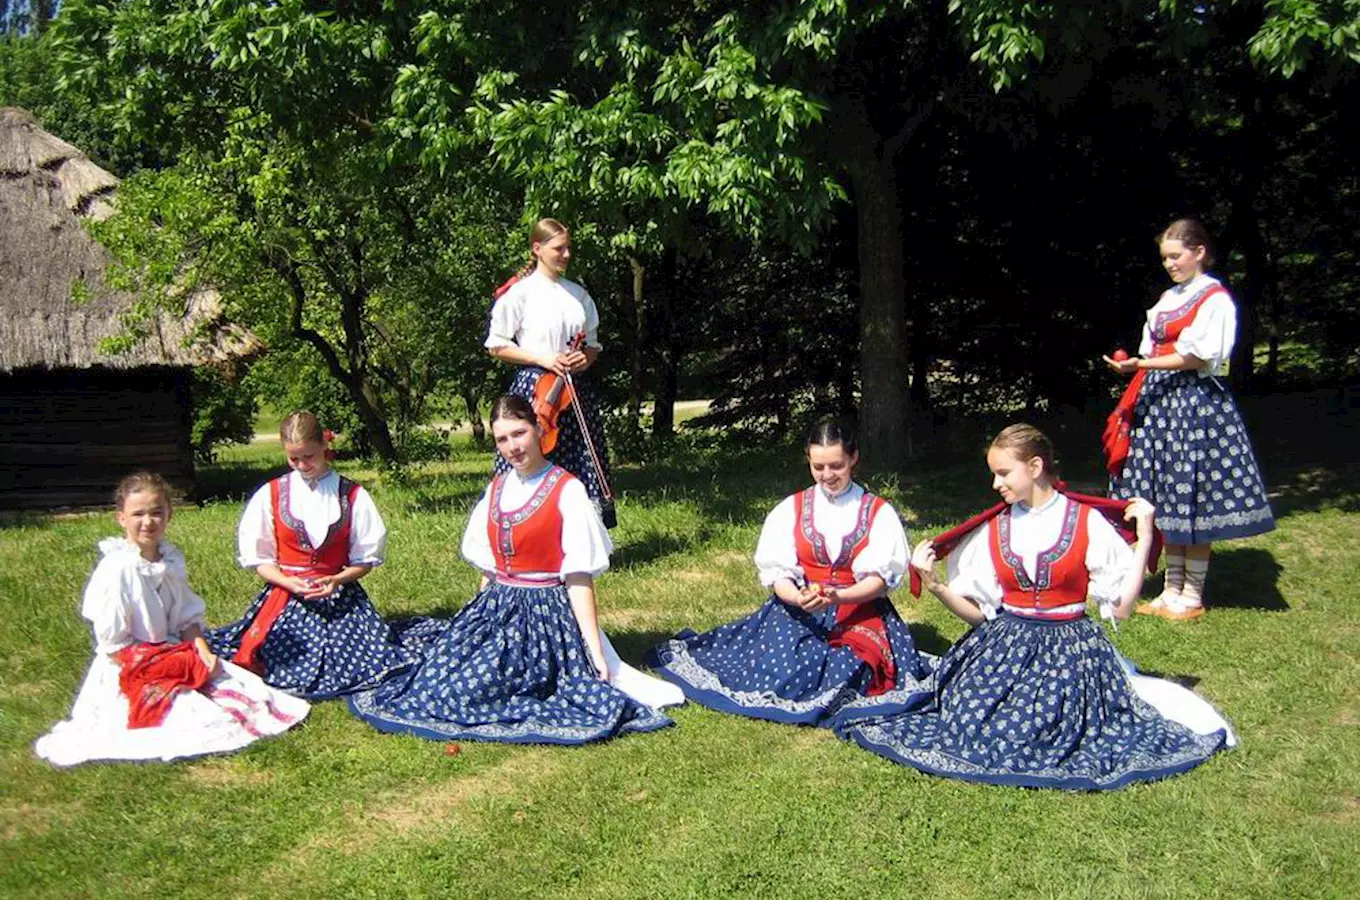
{"points": [[553, 394]]}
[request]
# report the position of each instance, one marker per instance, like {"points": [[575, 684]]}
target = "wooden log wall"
{"points": [[67, 437]]}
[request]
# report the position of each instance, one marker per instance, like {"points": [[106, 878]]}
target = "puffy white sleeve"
{"points": [[107, 605], [476, 547], [255, 544], [507, 315], [1107, 560], [367, 533], [1212, 333], [592, 320], [887, 552], [1145, 342], [776, 556], [585, 541], [972, 574]]}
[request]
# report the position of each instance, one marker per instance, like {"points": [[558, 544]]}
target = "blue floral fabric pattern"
{"points": [[1038, 704], [320, 649], [776, 664], [511, 667], [571, 452], [1190, 456]]}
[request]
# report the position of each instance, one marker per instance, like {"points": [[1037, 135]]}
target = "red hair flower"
{"points": [[328, 436]]}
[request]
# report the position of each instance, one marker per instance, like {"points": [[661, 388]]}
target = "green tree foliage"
{"points": [[288, 194]]}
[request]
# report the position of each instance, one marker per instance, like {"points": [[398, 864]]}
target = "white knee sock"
{"points": [[1196, 571]]}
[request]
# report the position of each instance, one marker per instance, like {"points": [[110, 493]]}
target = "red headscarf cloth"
{"points": [[1113, 510]]}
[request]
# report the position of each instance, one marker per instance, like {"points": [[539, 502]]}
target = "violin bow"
{"points": [[585, 431]]}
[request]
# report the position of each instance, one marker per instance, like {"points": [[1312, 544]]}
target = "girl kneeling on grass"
{"points": [[1035, 694], [312, 534], [525, 661], [828, 644], [154, 689]]}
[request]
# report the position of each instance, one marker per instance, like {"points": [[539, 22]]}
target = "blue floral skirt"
{"points": [[571, 452], [319, 649], [777, 664], [511, 667], [1037, 704], [1190, 456]]}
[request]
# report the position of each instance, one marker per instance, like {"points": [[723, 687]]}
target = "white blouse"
{"points": [[886, 554], [542, 316], [1209, 336], [585, 542], [1033, 531], [316, 506], [130, 599]]}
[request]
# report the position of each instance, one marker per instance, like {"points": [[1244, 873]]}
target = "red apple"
{"points": [[1119, 355]]}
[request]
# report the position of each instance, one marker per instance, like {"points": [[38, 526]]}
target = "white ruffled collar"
{"points": [[121, 547]]}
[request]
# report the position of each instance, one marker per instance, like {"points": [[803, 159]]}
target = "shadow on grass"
{"points": [[632, 646], [233, 482], [928, 638], [1245, 578], [655, 545]]}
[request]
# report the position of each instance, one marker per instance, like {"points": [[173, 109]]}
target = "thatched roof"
{"points": [[47, 187]]}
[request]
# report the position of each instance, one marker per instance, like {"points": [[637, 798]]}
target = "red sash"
{"points": [[859, 626], [1112, 509], [1117, 436], [296, 557], [152, 675], [505, 286]]}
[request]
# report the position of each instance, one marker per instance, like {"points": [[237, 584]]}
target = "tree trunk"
{"points": [[469, 395], [637, 357], [665, 287], [884, 402]]}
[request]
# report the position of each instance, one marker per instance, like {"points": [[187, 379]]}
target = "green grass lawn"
{"points": [[718, 806]]}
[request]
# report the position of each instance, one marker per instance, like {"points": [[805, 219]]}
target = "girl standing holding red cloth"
{"points": [[1176, 437], [828, 644], [1035, 694], [154, 689], [312, 534]]}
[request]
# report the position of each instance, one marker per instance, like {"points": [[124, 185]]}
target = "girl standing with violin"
{"points": [[549, 327], [1176, 437]]}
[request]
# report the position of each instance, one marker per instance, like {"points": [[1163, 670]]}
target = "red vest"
{"points": [[1167, 326], [811, 547], [1060, 578], [528, 539], [296, 555]]}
